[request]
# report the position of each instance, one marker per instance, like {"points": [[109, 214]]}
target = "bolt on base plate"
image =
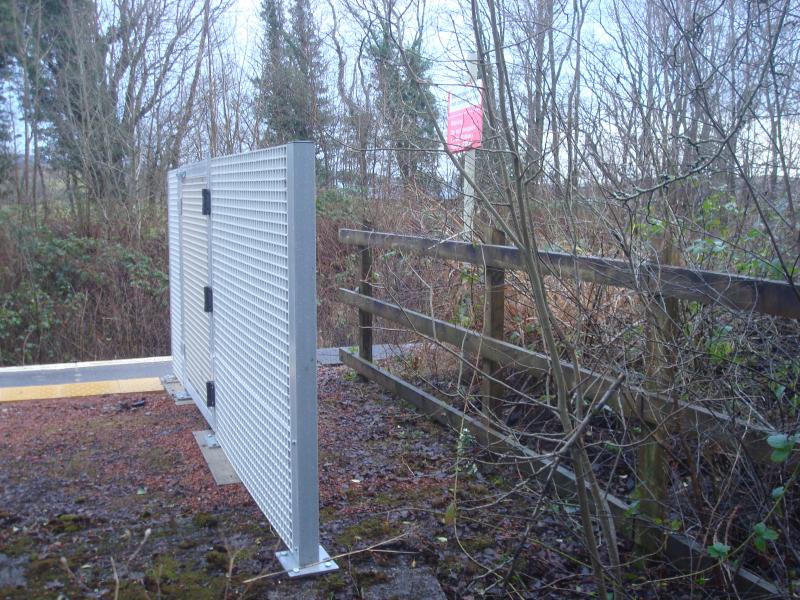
{"points": [[289, 563]]}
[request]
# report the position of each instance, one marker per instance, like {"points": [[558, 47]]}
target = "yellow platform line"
{"points": [[76, 390]]}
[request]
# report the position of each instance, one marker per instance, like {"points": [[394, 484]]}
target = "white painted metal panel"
{"points": [[251, 284], [196, 322], [257, 250], [174, 227]]}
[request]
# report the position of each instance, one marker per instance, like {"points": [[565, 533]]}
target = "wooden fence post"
{"points": [[364, 317], [493, 326], [651, 457], [651, 474]]}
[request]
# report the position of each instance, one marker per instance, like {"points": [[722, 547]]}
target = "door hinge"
{"points": [[206, 201], [208, 299], [211, 399]]}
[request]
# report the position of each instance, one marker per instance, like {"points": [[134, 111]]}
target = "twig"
{"points": [[116, 579], [75, 578], [147, 533], [578, 431]]}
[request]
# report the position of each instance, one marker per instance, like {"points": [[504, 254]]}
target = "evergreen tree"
{"points": [[274, 90], [6, 35], [292, 95], [309, 84], [410, 127]]}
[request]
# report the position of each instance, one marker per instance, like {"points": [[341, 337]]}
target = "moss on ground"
{"points": [[332, 583], [172, 580], [204, 519], [217, 561], [370, 530], [387, 500], [477, 543], [366, 579], [130, 590], [18, 545], [68, 523], [40, 569], [39, 573]]}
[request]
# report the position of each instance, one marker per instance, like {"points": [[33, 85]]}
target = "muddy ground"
{"points": [[110, 497]]}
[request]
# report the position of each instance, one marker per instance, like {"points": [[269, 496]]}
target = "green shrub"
{"points": [[65, 297]]}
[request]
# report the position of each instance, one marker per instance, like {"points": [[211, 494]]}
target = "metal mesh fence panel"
{"points": [[174, 225], [196, 322], [256, 249], [250, 267]]}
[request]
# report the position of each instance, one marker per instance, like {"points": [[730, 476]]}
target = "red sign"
{"points": [[465, 119]]}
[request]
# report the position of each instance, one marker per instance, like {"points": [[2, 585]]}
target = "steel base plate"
{"points": [[288, 561]]}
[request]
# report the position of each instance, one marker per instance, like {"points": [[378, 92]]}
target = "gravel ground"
{"points": [[110, 497]]}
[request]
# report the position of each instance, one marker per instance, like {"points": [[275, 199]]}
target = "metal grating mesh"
{"points": [[174, 219], [250, 267], [197, 323], [257, 252]]}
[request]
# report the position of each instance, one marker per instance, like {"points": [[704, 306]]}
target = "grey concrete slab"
{"points": [[219, 465], [160, 366], [174, 388], [405, 583], [85, 372], [401, 582], [384, 351], [330, 356]]}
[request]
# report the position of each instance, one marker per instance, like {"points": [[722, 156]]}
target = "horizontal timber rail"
{"points": [[685, 554], [630, 400], [707, 287]]}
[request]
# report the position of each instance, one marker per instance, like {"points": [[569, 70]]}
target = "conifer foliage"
{"points": [[293, 102]]}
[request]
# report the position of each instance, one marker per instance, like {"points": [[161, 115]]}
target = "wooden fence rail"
{"points": [[707, 287], [734, 434], [630, 400]]}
